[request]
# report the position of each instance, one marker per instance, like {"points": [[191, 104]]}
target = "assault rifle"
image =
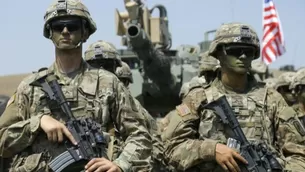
{"points": [[259, 158], [87, 133]]}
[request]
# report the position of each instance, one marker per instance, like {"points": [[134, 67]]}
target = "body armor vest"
{"points": [[250, 110], [86, 100]]}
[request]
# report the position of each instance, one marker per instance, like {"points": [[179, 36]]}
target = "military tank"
{"points": [[158, 70], [205, 44]]}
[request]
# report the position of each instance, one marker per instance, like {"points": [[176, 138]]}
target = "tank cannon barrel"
{"points": [[137, 37], [155, 63], [149, 38], [133, 31]]}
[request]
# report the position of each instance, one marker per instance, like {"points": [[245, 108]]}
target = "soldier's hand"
{"points": [[55, 130], [101, 165], [226, 156]]}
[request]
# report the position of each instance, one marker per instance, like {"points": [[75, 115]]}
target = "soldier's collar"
{"points": [[251, 84], [66, 77]]}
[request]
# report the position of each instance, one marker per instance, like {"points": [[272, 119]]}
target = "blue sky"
{"points": [[24, 49]]}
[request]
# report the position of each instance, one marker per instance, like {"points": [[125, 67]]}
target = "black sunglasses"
{"points": [[283, 89], [107, 64], [59, 25], [239, 51]]}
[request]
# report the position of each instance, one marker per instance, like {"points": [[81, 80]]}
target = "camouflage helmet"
{"points": [[298, 79], [208, 63], [61, 8], [258, 66], [102, 50], [301, 71], [124, 72], [235, 33], [270, 82], [285, 79]]}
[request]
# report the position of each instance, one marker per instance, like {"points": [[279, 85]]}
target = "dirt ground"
{"points": [[9, 83]]}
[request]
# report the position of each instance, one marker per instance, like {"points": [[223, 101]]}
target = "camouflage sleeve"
{"points": [[130, 122], [17, 129], [152, 127], [163, 124], [183, 149], [290, 132], [158, 147]]}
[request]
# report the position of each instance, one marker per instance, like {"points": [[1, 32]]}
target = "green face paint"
{"points": [[239, 58]]}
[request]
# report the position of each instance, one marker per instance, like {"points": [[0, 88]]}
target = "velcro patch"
{"points": [[298, 126], [183, 110]]}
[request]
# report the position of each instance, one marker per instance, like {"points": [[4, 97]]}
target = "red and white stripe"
{"points": [[273, 44]]}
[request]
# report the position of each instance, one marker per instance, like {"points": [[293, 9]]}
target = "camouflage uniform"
{"points": [[89, 93], [125, 75], [284, 79], [259, 69], [262, 114], [282, 86], [206, 64], [297, 84]]}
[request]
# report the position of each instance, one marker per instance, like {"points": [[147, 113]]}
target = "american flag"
{"points": [[273, 40]]}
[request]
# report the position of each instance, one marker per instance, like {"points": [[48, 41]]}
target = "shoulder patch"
{"points": [[11, 100], [183, 110]]}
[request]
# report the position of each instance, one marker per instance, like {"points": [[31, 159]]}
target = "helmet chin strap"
{"points": [[74, 47]]}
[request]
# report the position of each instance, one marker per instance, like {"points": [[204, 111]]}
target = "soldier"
{"points": [[125, 75], [282, 86], [207, 73], [259, 70], [34, 132], [196, 138], [297, 87], [103, 54], [208, 66], [270, 82]]}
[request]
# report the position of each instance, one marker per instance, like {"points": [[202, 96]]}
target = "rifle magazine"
{"points": [[61, 162]]}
